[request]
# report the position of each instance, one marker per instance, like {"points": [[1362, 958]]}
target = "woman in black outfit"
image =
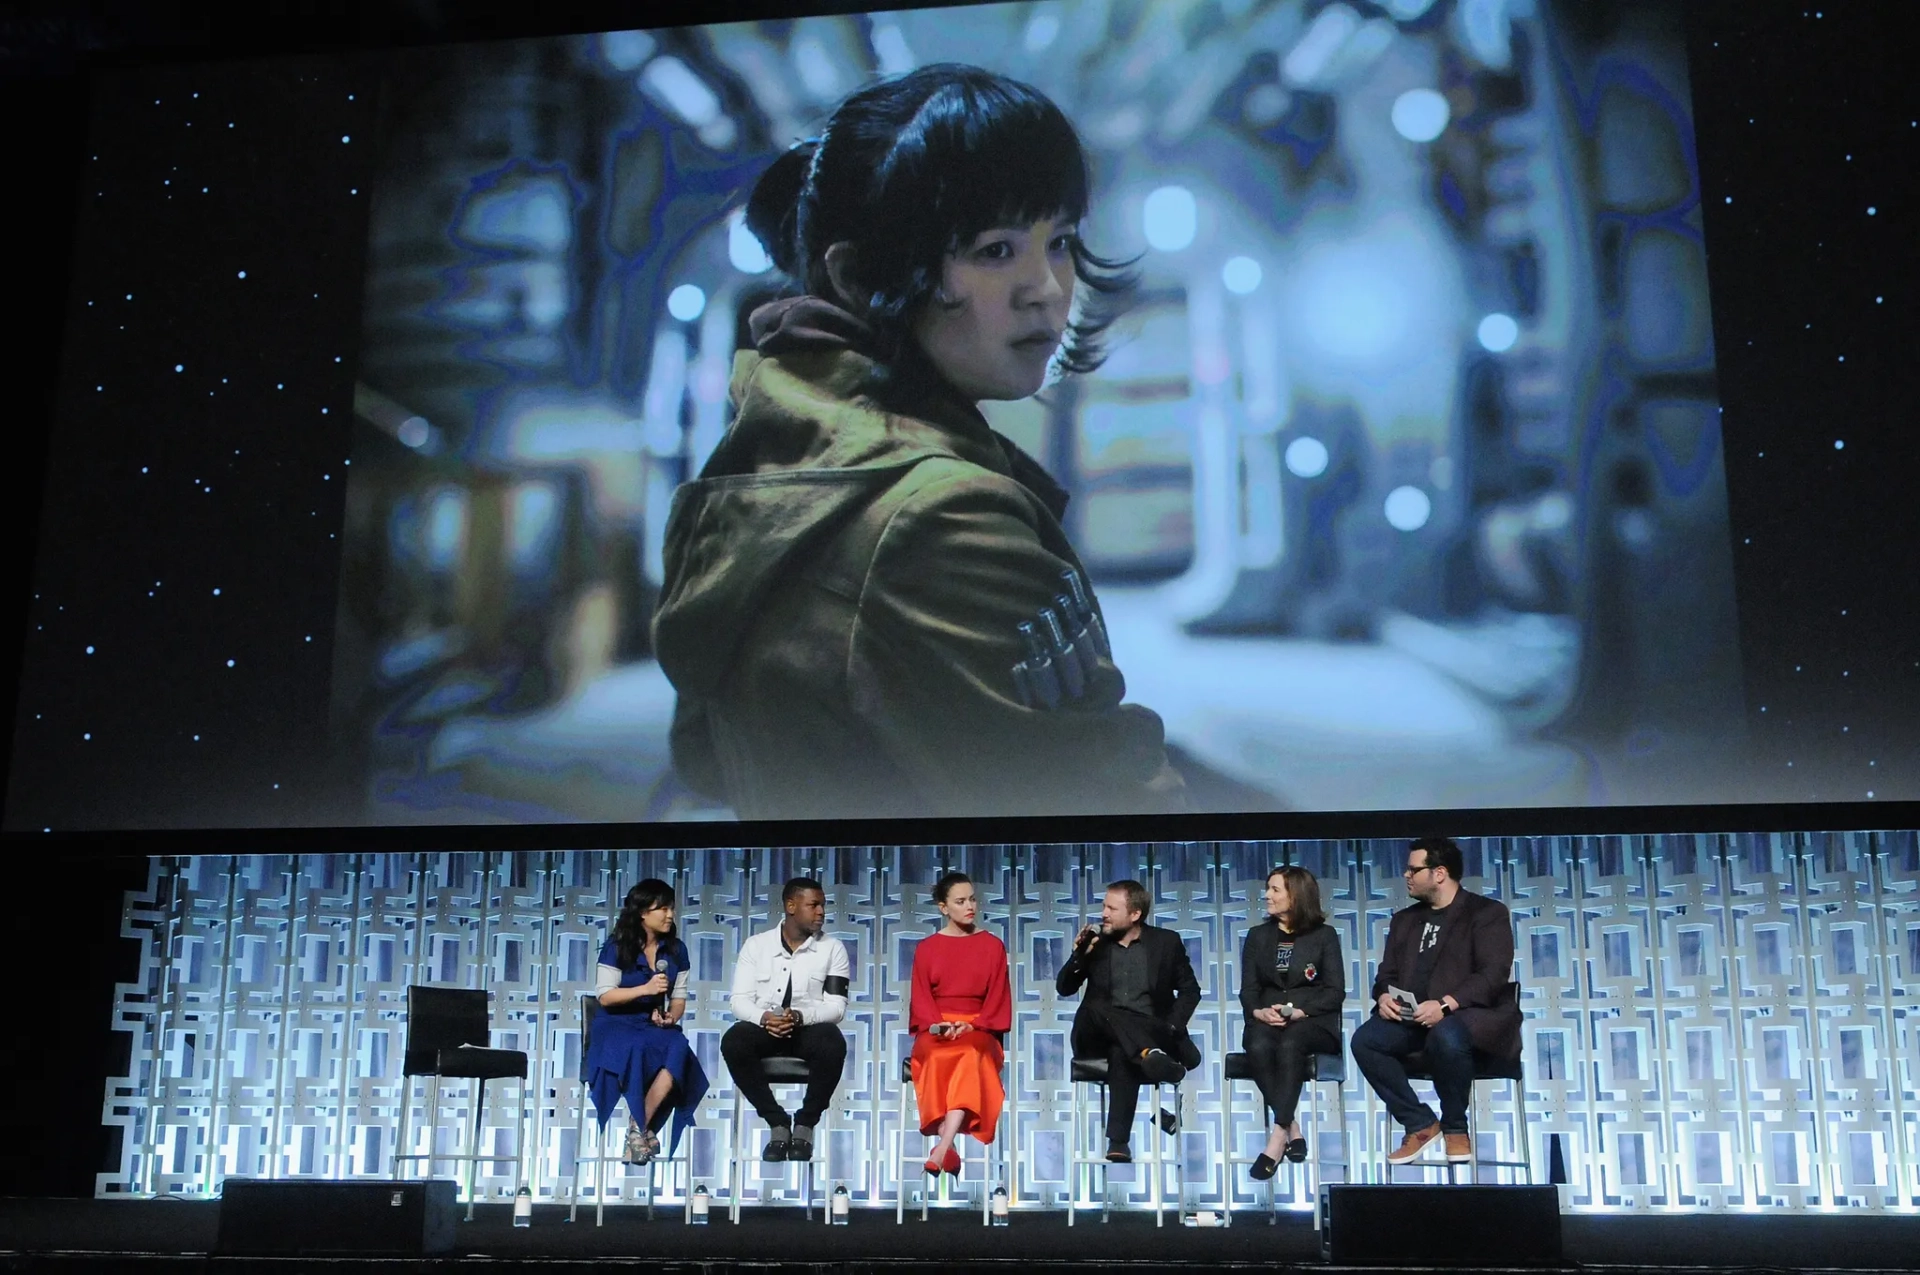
{"points": [[1292, 983]]}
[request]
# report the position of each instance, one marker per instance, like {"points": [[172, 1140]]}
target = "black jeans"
{"points": [[1280, 1059], [1120, 1035], [821, 1044], [1379, 1046]]}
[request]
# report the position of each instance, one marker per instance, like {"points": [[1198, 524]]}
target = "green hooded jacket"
{"points": [[843, 589]]}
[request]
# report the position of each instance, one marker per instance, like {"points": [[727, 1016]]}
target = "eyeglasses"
{"points": [[1414, 872]]}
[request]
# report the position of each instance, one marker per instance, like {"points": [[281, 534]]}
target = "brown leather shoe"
{"points": [[1459, 1148], [1415, 1143]]}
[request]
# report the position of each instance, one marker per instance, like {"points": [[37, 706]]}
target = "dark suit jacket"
{"points": [[1317, 950], [1176, 992], [1474, 966]]}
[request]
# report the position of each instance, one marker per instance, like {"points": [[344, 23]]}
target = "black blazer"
{"points": [[1315, 985], [1474, 966], [1176, 992]]}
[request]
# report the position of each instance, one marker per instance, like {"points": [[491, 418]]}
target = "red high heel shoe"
{"points": [[933, 1168], [952, 1162]]}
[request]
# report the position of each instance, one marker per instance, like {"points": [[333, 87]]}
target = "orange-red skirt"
{"points": [[959, 1073]]}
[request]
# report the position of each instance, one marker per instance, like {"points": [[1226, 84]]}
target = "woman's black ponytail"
{"points": [[773, 210]]}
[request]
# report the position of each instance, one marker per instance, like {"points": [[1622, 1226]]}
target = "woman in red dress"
{"points": [[959, 1010]]}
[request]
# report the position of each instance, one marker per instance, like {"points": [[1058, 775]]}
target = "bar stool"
{"points": [[447, 1038], [1093, 1071], [589, 1010], [1485, 1067], [781, 1069], [911, 1165], [1328, 1069]]}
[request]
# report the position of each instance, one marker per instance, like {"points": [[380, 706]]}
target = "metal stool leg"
{"points": [[1522, 1135], [478, 1091], [400, 1146], [1106, 1175], [733, 1164], [1473, 1135], [1074, 1164]]}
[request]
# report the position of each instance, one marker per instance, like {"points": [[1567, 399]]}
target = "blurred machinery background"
{"points": [[1402, 489]]}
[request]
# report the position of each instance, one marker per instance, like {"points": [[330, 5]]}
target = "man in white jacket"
{"points": [[789, 995]]}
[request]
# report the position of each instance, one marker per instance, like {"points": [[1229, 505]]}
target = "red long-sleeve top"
{"points": [[955, 975]]}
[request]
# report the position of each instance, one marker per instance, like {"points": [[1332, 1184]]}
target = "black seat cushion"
{"points": [[472, 1063], [1091, 1071], [783, 1067]]}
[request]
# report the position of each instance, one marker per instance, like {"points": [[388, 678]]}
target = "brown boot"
{"points": [[1416, 1142], [1459, 1148]]}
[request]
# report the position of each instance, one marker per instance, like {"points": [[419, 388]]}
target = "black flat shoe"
{"points": [[1117, 1154], [1263, 1167], [1296, 1151]]}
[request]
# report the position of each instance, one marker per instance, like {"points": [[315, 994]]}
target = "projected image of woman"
{"points": [[639, 1051], [959, 1008], [1292, 983], [871, 607]]}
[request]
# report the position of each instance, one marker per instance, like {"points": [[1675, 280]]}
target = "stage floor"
{"points": [[85, 1236]]}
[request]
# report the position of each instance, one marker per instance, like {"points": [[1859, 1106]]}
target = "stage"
{"points": [[84, 1236]]}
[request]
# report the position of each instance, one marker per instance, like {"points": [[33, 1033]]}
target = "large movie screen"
{"points": [[1400, 485]]}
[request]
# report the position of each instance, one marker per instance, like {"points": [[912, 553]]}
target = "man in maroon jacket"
{"points": [[1452, 951]]}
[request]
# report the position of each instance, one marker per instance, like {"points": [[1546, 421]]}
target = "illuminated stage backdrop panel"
{"points": [[1711, 1021]]}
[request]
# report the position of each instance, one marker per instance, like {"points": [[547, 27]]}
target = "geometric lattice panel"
{"points": [[1712, 1022]]}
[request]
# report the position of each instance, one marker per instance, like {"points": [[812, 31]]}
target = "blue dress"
{"points": [[629, 1049]]}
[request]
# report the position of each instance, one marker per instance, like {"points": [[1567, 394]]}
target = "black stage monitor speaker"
{"points": [[371, 1219], [1434, 1225]]}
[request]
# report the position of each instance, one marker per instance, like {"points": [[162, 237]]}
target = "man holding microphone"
{"points": [[1141, 991]]}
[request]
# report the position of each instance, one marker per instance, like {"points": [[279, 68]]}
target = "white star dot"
{"points": [[216, 593], [243, 274], [89, 650], [229, 663]]}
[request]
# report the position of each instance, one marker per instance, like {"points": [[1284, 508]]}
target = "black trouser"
{"points": [[820, 1044], [1120, 1035], [1281, 1058]]}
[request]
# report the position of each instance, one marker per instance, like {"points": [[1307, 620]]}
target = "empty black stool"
{"points": [[447, 1038]]}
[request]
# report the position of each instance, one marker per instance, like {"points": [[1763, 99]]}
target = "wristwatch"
{"points": [[1445, 1009]]}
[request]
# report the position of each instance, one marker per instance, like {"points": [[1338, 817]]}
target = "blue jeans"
{"points": [[1380, 1047]]}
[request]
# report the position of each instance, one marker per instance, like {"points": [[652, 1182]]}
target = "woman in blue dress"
{"points": [[638, 1049]]}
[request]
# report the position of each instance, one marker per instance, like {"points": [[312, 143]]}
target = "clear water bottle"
{"points": [[523, 1207], [997, 1207], [699, 1205], [842, 1204]]}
